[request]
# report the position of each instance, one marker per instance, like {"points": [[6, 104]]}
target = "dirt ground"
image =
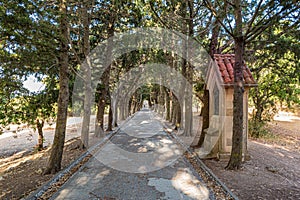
{"points": [[273, 171], [21, 174]]}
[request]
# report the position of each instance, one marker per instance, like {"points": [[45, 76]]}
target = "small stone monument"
{"points": [[219, 83]]}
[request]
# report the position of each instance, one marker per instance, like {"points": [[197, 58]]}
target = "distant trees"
{"points": [[275, 65], [26, 50]]}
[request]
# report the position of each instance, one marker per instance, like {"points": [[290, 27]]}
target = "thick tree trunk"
{"points": [[126, 111], [161, 100], [54, 162], [40, 125], [130, 107], [87, 79], [188, 124], [115, 113], [215, 39], [134, 107], [150, 102], [188, 127], [110, 119], [237, 136], [258, 104], [167, 100], [100, 116], [99, 131], [178, 116], [205, 116]]}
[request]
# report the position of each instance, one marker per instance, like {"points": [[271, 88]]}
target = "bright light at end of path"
{"points": [[145, 126]]}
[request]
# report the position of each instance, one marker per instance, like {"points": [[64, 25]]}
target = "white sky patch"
{"points": [[33, 85]]}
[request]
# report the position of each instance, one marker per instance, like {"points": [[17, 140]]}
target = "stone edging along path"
{"points": [[216, 185], [213, 183], [52, 186]]}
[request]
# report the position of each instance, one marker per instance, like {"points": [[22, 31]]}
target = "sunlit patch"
{"points": [[166, 141], [188, 184], [142, 150], [273, 146], [145, 122], [82, 180], [102, 174], [151, 144], [286, 117], [182, 186]]}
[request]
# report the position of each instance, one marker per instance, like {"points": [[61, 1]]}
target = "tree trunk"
{"points": [[115, 113], [213, 49], [134, 107], [188, 127], [161, 100], [54, 162], [40, 126], [130, 107], [237, 136], [100, 116], [167, 100], [110, 119], [205, 116], [126, 111], [188, 124], [105, 83], [87, 79], [178, 115], [258, 106], [149, 102]]}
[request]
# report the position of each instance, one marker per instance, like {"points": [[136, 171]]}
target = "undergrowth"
{"points": [[259, 130]]}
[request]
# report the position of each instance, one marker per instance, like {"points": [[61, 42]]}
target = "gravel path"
{"points": [[139, 162]]}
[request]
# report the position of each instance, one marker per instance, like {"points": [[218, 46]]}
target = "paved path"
{"points": [[139, 162]]}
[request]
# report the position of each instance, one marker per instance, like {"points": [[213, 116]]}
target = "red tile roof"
{"points": [[225, 63]]}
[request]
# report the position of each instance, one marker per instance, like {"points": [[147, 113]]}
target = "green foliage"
{"points": [[257, 129], [28, 108], [275, 66], [28, 47], [260, 130]]}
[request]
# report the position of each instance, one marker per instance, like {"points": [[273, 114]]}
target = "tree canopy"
{"points": [[50, 40]]}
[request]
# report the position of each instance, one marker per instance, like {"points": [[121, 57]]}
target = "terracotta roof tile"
{"points": [[225, 63]]}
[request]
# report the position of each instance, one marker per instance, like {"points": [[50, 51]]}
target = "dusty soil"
{"points": [[273, 170], [21, 167], [21, 174]]}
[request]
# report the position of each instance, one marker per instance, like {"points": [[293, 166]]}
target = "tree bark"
{"points": [[167, 100], [161, 100], [178, 115], [99, 131], [54, 162], [237, 136], [115, 112], [110, 119], [100, 114], [87, 79], [40, 125], [205, 117]]}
